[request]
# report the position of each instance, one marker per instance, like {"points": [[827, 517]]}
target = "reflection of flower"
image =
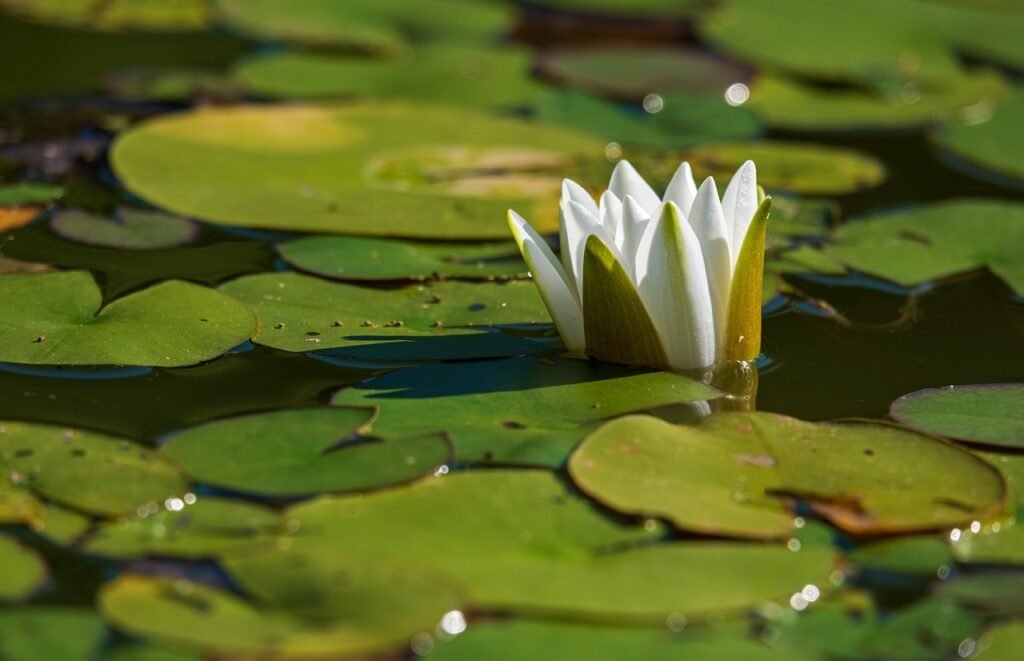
{"points": [[672, 282]]}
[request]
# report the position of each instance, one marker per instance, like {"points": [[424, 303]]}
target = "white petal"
{"points": [[708, 222], [557, 291], [682, 189], [630, 231], [740, 203], [674, 286], [573, 191], [577, 224], [610, 212], [627, 181]]}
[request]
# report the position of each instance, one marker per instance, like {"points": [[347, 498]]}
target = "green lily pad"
{"points": [[420, 322], [937, 240], [50, 632], [417, 171], [991, 593], [989, 149], [145, 652], [115, 15], [631, 73], [726, 475], [302, 451], [475, 76], [57, 319], [992, 414], [923, 555], [522, 410], [359, 258], [23, 571], [90, 472], [998, 543], [55, 523], [518, 541], [16, 195], [1003, 642], [131, 229], [194, 527]]}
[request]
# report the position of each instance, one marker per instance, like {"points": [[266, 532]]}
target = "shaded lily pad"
{"points": [[992, 414], [28, 193], [23, 571], [57, 318], [730, 474], [302, 451], [484, 77], [519, 541], [131, 229], [50, 632], [937, 240], [417, 171], [115, 14], [193, 527], [521, 410], [303, 313], [993, 593], [359, 258], [989, 148], [83, 470], [907, 555], [631, 9]]}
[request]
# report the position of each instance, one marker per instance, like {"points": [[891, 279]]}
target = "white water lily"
{"points": [[672, 281]]}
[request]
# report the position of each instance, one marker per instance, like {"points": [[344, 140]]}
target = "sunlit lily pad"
{"points": [[28, 193], [1003, 642], [57, 318], [924, 243], [416, 171], [23, 571], [471, 76], [50, 632], [518, 540], [998, 543], [730, 474], [521, 410], [989, 148], [992, 414], [131, 229], [146, 652], [363, 258], [302, 451], [58, 524], [115, 14], [419, 322], [83, 470]]}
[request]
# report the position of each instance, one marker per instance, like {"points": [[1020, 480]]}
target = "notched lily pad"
{"points": [[989, 149], [23, 571], [130, 229], [734, 473]]}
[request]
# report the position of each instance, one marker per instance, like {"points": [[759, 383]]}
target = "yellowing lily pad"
{"points": [[23, 571], [989, 149], [57, 318], [942, 239], [131, 229], [50, 632], [302, 451], [367, 169], [523, 410], [732, 474], [992, 414]]}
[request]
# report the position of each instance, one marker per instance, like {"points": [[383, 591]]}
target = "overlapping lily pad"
{"points": [[302, 451], [363, 258], [130, 229], [731, 474], [992, 414], [365, 169], [989, 148], [50, 632], [522, 410], [58, 318], [942, 239], [517, 540], [23, 571]]}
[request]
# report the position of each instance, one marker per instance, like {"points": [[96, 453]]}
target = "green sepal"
{"points": [[617, 326], [743, 331]]}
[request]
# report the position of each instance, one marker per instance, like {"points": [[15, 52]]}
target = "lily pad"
{"points": [[303, 313], [28, 193], [359, 258], [50, 632], [474, 76], [729, 475], [302, 451], [992, 414], [522, 410], [923, 555], [13, 218], [999, 543], [193, 527], [57, 318], [992, 593], [913, 246], [89, 472], [23, 571], [115, 15], [416, 171], [1003, 642], [989, 149], [130, 229], [519, 541]]}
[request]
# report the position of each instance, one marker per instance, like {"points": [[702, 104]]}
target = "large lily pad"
{"points": [[367, 169], [420, 322], [521, 410], [989, 148], [942, 239], [130, 229], [302, 451], [727, 475], [23, 570], [519, 541], [992, 414], [363, 258], [57, 318], [50, 632]]}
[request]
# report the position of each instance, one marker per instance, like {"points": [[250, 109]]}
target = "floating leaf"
{"points": [[989, 149], [1000, 543], [131, 229], [28, 193], [56, 318], [17, 217], [302, 451], [992, 593], [992, 414], [728, 475], [23, 572], [937, 240], [144, 652], [358, 258], [1003, 642], [50, 632], [116, 15], [521, 410], [908, 555], [417, 171]]}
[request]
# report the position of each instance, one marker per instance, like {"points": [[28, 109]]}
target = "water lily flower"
{"points": [[670, 282]]}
